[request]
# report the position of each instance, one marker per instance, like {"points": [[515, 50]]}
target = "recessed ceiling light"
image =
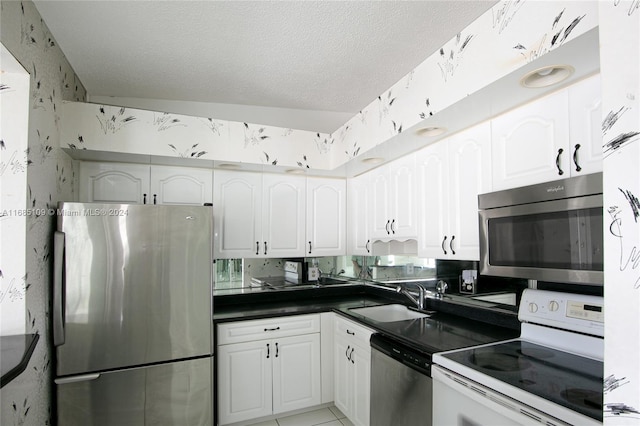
{"points": [[228, 166], [373, 160], [547, 76], [431, 131], [295, 171]]}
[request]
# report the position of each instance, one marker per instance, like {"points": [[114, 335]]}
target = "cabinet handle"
{"points": [[267, 350], [272, 329], [367, 246], [451, 244], [393, 231], [346, 353], [154, 199], [386, 227], [351, 356], [265, 248], [442, 245], [277, 350], [351, 332], [309, 247], [560, 151], [144, 198], [257, 247], [575, 158]]}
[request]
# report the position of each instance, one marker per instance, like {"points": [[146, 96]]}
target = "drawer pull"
{"points": [[272, 329], [351, 332]]}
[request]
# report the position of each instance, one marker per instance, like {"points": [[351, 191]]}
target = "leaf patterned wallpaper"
{"points": [[48, 176], [620, 71]]}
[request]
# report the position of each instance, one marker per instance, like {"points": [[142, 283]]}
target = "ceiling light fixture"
{"points": [[295, 171], [373, 160], [547, 76], [431, 131], [228, 166]]}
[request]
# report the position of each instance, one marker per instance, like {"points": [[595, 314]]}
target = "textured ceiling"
{"points": [[312, 55]]}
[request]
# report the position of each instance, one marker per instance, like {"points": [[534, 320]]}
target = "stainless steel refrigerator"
{"points": [[132, 315]]}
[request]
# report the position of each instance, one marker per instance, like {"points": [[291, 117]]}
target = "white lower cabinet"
{"points": [[352, 370], [278, 373]]}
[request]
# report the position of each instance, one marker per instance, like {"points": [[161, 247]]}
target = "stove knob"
{"points": [[553, 306], [533, 308]]}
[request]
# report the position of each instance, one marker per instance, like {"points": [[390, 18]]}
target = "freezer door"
{"points": [[136, 287], [169, 394]]}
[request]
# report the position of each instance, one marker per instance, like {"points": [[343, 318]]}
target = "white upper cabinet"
{"points": [[585, 121], [114, 182], [451, 174], [326, 216], [258, 215], [181, 185], [530, 143], [555, 137], [358, 227], [393, 200], [144, 184]]}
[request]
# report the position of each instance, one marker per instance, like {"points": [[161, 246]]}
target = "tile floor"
{"points": [[330, 416]]}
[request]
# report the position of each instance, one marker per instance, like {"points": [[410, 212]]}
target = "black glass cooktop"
{"points": [[569, 380]]}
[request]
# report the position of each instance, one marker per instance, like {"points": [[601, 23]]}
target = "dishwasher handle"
{"points": [[412, 358]]}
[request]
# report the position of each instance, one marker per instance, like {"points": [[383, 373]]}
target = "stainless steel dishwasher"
{"points": [[401, 385]]}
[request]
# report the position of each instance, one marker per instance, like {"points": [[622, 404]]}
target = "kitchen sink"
{"points": [[389, 313]]}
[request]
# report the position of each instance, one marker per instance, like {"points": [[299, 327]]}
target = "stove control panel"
{"points": [[567, 311]]}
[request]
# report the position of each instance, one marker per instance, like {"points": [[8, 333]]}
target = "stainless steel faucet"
{"points": [[420, 300]]}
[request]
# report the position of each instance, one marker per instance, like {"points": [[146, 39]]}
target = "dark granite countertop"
{"points": [[451, 327], [16, 352]]}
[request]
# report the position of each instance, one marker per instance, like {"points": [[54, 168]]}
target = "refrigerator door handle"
{"points": [[58, 284], [74, 379]]}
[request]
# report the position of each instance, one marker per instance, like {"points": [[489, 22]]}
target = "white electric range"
{"points": [[551, 375]]}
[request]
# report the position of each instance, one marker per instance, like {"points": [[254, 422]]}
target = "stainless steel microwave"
{"points": [[548, 232]]}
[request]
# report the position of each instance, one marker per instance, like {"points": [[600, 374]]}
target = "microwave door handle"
{"points": [[58, 288]]}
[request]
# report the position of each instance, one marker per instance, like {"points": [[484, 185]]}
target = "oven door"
{"points": [[559, 240], [458, 401]]}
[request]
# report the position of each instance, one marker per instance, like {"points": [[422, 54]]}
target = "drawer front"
{"points": [[269, 328], [357, 333]]}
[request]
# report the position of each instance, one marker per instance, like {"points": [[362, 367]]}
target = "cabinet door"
{"points": [[326, 215], [361, 369], [296, 372], [181, 185], [114, 183], [244, 381], [585, 119], [237, 215], [469, 175], [433, 187], [343, 374], [404, 223], [379, 207], [358, 241], [283, 216], [530, 143]]}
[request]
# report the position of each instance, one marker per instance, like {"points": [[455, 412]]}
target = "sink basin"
{"points": [[389, 313]]}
